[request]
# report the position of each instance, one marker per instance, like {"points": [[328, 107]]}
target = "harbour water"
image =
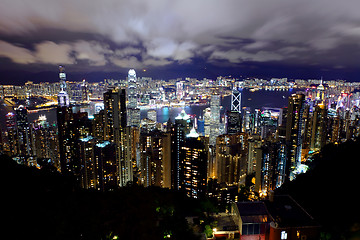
{"points": [[254, 100]]}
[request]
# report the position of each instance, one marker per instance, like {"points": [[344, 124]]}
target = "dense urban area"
{"points": [[108, 168]]}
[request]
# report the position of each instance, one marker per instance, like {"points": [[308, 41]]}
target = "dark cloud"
{"points": [[158, 34]]}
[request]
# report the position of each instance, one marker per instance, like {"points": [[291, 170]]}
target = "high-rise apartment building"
{"points": [[231, 158], [115, 131], [294, 122], [193, 166], [23, 139], [178, 133], [155, 159], [319, 128]]}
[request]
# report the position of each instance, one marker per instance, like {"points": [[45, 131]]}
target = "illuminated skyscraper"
{"points": [[178, 133], [180, 90], [23, 135], [116, 131], [233, 123], [318, 130], [193, 166], [45, 141], [133, 112], [132, 89], [236, 100], [71, 128], [215, 118], [293, 129], [11, 134], [107, 171], [63, 97], [155, 159], [231, 158]]}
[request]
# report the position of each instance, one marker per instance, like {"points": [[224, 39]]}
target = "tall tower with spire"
{"points": [[132, 89], [63, 97], [236, 100], [133, 112]]}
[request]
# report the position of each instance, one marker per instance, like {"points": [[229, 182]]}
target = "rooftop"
{"points": [[286, 212]]}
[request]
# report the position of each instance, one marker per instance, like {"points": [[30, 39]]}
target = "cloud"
{"points": [[52, 53], [94, 52], [158, 32], [241, 56], [15, 53]]}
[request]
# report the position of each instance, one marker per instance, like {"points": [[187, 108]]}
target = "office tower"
{"points": [[319, 128], [255, 121], [233, 124], [132, 89], [152, 115], [293, 129], [178, 133], [254, 143], [193, 166], [133, 112], [63, 96], [246, 121], [207, 120], [115, 131], [84, 91], [268, 124], [106, 165], [24, 144], [236, 100], [215, 118], [180, 90], [231, 158]]}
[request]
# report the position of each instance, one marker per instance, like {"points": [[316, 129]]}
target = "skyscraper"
{"points": [[215, 118], [115, 131], [193, 166], [319, 128], [107, 170], [178, 133], [23, 135], [63, 97], [293, 129], [11, 134], [233, 124], [231, 158], [132, 89], [133, 112], [236, 100]]}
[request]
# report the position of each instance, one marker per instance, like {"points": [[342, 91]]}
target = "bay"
{"points": [[253, 100]]}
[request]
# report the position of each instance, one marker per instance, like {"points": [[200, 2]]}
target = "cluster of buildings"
{"points": [[109, 145]]}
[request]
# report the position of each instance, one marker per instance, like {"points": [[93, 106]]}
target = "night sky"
{"points": [[203, 38]]}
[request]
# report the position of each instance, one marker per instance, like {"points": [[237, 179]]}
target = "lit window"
{"points": [[283, 235]]}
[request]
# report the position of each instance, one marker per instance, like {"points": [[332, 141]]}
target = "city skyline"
{"points": [[178, 39]]}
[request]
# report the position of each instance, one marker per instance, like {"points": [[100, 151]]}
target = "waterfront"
{"points": [[257, 99]]}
